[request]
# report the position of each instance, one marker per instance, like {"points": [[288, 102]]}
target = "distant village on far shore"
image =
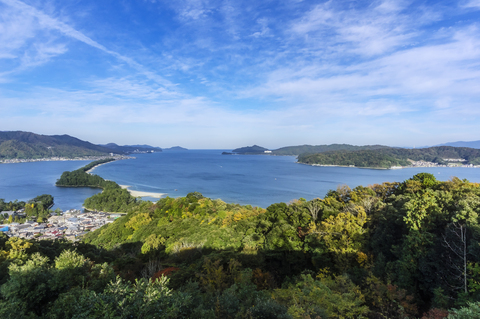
{"points": [[53, 159]]}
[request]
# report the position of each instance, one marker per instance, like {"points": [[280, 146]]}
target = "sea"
{"points": [[257, 180]]}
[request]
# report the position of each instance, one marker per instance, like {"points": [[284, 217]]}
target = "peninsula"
{"points": [[390, 157]]}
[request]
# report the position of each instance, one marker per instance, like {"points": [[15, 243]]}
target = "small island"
{"points": [[251, 150], [175, 148]]}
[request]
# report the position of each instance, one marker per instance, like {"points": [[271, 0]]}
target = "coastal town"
{"points": [[71, 224], [452, 162]]}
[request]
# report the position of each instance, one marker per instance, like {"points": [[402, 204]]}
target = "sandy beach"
{"points": [[93, 168], [142, 194]]}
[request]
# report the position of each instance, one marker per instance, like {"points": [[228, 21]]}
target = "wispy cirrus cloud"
{"points": [[48, 23], [264, 29], [443, 63], [471, 4], [14, 31], [368, 31], [133, 88]]}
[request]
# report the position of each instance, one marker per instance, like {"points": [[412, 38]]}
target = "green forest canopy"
{"points": [[392, 243]]}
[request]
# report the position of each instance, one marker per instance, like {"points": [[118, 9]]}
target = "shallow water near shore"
{"points": [[245, 179]]}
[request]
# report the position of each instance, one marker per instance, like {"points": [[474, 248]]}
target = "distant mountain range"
{"points": [[472, 144], [26, 145]]}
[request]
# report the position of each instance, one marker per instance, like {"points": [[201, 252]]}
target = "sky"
{"points": [[230, 73]]}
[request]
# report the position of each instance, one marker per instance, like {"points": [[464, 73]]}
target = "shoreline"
{"points": [[93, 168], [61, 159], [135, 193], [390, 168], [350, 166]]}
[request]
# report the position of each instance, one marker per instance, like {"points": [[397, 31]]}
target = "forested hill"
{"points": [[395, 250], [312, 149], [26, 145], [388, 157]]}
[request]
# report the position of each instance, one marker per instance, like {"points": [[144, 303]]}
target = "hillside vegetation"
{"points": [[387, 157], [38, 208], [395, 250]]}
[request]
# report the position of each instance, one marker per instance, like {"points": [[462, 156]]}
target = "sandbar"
{"points": [[93, 168], [142, 194]]}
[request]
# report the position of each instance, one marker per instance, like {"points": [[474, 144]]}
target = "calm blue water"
{"points": [[244, 179], [24, 181], [250, 179]]}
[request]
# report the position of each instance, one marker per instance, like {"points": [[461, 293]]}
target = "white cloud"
{"points": [[369, 31], [386, 62], [48, 23], [472, 4], [15, 30], [264, 29], [132, 88], [42, 53], [192, 9]]}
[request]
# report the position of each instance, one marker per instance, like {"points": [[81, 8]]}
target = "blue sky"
{"points": [[225, 74]]}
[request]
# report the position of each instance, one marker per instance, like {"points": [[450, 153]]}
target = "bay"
{"points": [[251, 179], [24, 181], [244, 179]]}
